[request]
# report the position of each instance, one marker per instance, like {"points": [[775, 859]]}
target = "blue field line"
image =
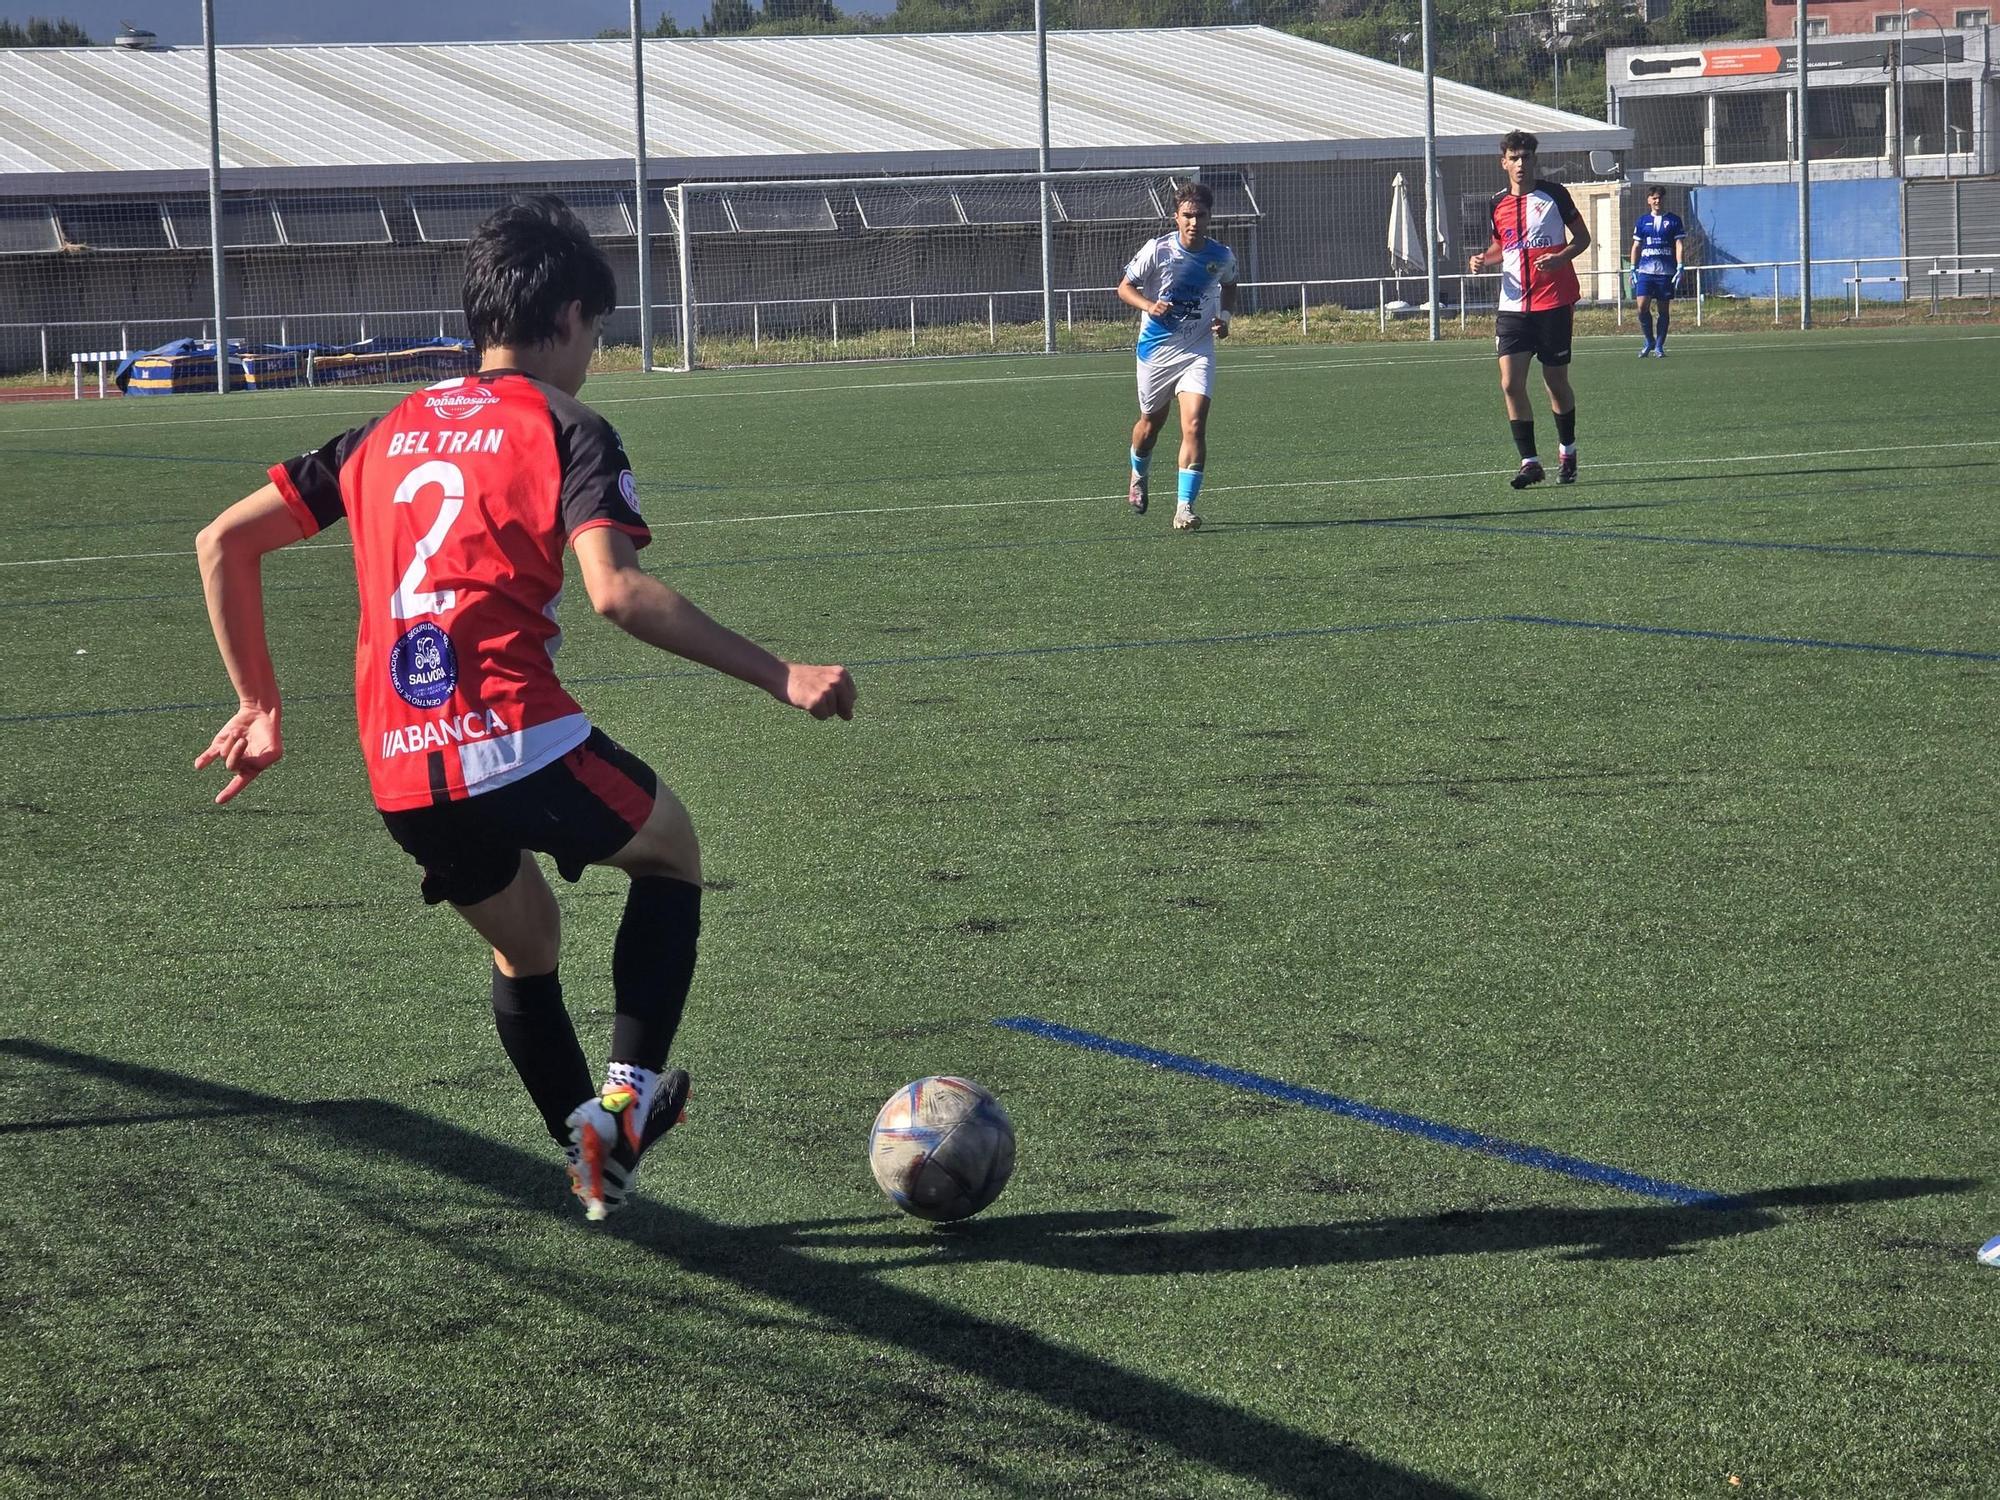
{"points": [[1369, 1114], [1248, 638], [1560, 534], [1754, 640]]}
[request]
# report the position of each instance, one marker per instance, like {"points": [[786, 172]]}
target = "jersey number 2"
{"points": [[409, 600]]}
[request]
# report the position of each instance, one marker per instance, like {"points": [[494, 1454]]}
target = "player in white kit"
{"points": [[1185, 285]]}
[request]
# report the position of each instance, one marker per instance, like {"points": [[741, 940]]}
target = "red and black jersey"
{"points": [[1528, 230], [461, 499]]}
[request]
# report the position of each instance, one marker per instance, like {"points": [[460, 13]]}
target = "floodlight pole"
{"points": [[1802, 133], [215, 235], [683, 247], [644, 222], [1042, 159], [1430, 171]]}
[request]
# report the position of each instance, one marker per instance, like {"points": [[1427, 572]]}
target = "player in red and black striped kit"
{"points": [[1537, 235], [460, 501]]}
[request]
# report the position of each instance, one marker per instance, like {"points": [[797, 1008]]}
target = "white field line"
{"points": [[1715, 343], [1674, 464]]}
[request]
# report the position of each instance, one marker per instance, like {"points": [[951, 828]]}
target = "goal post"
{"points": [[850, 268]]}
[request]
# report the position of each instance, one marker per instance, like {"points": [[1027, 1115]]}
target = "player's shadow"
{"points": [[1733, 476], [1315, 523], [1138, 1244], [772, 1262]]}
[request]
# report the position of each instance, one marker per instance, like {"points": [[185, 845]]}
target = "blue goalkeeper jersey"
{"points": [[1656, 234]]}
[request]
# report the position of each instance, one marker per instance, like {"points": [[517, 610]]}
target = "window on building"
{"points": [[1666, 129], [1891, 22], [1750, 127], [1848, 122], [1972, 18], [1815, 25], [1925, 118]]}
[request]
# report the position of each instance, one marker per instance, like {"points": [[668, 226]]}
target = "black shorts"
{"points": [[581, 809], [1545, 334]]}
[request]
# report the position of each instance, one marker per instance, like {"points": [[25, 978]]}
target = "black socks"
{"points": [[540, 1041], [652, 965]]}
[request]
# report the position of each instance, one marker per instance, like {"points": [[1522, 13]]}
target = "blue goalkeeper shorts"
{"points": [[1653, 286]]}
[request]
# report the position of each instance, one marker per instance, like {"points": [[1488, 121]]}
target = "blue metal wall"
{"points": [[1851, 221]]}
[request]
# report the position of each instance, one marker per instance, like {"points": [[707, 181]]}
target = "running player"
{"points": [[460, 501], [1185, 284], [1537, 234], [1657, 247]]}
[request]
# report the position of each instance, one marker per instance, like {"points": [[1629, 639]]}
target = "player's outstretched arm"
{"points": [[231, 551], [645, 608]]}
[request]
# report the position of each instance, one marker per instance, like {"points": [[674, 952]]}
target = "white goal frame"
{"points": [[683, 227]]}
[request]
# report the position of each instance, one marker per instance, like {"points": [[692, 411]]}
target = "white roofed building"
{"points": [[353, 174]]}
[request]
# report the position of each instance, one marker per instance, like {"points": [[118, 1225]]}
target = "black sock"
{"points": [[652, 965], [1646, 323], [535, 1029], [1566, 427], [1666, 309], [1524, 436]]}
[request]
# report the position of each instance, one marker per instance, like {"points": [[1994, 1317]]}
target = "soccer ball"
{"points": [[941, 1148]]}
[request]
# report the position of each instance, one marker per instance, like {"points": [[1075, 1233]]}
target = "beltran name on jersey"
{"points": [[1165, 270], [1656, 234], [461, 500]]}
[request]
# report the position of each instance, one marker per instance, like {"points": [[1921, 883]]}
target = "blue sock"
{"points": [[1661, 341], [1646, 322], [1190, 486], [1140, 461]]}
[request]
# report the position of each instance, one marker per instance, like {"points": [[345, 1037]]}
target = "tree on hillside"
{"points": [[40, 33]]}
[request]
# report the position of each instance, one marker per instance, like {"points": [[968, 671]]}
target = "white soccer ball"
{"points": [[941, 1148], [1989, 1253]]}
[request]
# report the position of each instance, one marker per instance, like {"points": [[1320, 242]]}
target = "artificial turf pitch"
{"points": [[1646, 824]]}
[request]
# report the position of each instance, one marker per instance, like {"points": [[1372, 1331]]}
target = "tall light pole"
{"points": [[640, 191], [1944, 78], [215, 229], [1802, 134]]}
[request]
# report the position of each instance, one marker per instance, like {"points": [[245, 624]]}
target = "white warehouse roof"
{"points": [[112, 119]]}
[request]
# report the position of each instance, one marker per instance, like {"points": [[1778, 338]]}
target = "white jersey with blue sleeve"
{"points": [[1192, 280], [1656, 235]]}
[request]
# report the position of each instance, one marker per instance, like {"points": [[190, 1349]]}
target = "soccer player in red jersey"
{"points": [[460, 501], [1538, 233]]}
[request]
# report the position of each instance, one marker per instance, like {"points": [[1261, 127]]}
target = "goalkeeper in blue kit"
{"points": [[1657, 241]]}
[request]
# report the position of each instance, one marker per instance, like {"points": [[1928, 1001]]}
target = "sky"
{"points": [[178, 22]]}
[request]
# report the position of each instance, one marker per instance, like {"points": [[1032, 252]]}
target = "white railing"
{"points": [[1934, 279]]}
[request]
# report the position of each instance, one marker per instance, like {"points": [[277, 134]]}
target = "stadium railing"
{"points": [[1883, 283]]}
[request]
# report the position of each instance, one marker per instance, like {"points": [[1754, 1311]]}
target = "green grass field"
{"points": [[1648, 822]]}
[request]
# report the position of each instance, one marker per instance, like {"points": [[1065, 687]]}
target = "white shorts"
{"points": [[1164, 374]]}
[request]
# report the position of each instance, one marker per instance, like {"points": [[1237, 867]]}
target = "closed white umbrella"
{"points": [[1406, 242]]}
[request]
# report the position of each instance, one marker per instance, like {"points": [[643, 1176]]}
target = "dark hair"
{"points": [[1654, 190], [1195, 192], [524, 265], [1519, 141]]}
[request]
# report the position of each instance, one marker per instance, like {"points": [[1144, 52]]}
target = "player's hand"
{"points": [[248, 745], [820, 691], [1219, 327], [1160, 308], [1477, 263]]}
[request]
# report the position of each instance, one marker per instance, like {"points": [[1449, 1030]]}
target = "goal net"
{"points": [[901, 267]]}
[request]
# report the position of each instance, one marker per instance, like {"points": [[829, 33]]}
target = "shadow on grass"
{"points": [[774, 1261], [1135, 1244]]}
